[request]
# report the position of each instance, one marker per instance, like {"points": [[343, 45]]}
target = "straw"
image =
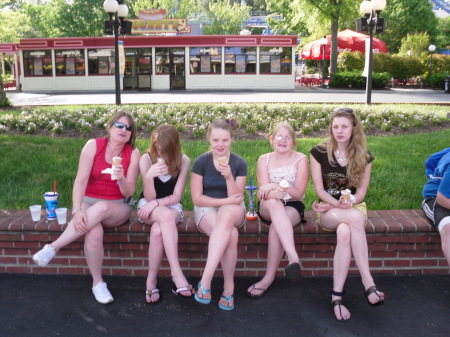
{"points": [[54, 186], [251, 195]]}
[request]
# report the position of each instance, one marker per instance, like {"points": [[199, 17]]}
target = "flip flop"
{"points": [[150, 293], [249, 293], [339, 303], [292, 272], [178, 291], [204, 291], [225, 307], [370, 291]]}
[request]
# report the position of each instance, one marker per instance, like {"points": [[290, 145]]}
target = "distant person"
{"points": [[339, 166], [217, 186], [98, 201], [436, 192], [164, 169], [282, 207]]}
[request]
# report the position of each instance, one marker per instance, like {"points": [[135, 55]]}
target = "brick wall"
{"points": [[400, 242]]}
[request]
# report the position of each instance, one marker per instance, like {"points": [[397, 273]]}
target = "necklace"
{"points": [[339, 158]]}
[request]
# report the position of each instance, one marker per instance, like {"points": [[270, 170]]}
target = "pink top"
{"points": [[100, 185]]}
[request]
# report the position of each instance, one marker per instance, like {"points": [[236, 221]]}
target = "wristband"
{"points": [[75, 210], [120, 183], [352, 198], [157, 202]]}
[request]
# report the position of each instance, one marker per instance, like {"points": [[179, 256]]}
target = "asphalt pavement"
{"points": [[63, 305], [301, 94]]}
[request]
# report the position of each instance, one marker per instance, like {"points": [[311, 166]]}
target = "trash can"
{"points": [[447, 85]]}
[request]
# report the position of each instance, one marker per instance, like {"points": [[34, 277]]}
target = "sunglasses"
{"points": [[348, 110], [120, 125]]}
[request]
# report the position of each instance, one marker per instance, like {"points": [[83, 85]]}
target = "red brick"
{"points": [[424, 262], [397, 263]]}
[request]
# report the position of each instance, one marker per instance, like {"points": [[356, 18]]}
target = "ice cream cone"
{"points": [[222, 160], [117, 160], [345, 195], [284, 184]]}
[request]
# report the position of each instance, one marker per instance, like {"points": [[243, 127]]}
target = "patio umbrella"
{"points": [[347, 40]]}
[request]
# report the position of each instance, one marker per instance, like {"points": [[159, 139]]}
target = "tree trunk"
{"points": [[334, 45]]}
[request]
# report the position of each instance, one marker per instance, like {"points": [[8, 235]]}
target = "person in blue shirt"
{"points": [[436, 193]]}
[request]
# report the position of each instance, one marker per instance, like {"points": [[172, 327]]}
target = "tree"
{"points": [[411, 16], [174, 8], [19, 26], [443, 39], [226, 18], [415, 44], [291, 22], [323, 17]]}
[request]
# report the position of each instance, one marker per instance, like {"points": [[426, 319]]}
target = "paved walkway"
{"points": [[301, 94], [38, 305]]}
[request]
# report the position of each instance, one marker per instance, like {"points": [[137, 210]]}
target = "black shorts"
{"points": [[434, 212], [298, 205]]}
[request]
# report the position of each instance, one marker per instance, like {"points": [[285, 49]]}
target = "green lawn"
{"points": [[31, 163]]}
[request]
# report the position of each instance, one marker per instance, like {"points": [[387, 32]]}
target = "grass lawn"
{"points": [[31, 163]]}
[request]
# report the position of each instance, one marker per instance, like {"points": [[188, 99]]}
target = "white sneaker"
{"points": [[102, 294], [44, 256]]}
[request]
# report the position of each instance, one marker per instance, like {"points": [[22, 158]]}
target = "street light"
{"points": [[117, 11], [369, 8], [323, 42], [431, 49]]}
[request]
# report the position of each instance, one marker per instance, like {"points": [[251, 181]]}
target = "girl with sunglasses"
{"points": [[281, 206], [164, 169], [343, 163], [100, 199]]}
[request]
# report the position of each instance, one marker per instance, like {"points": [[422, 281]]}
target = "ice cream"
{"points": [[222, 160], [284, 184], [345, 195], [117, 160]]}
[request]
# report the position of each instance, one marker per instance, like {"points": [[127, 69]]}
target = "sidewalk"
{"points": [[55, 305], [301, 94]]}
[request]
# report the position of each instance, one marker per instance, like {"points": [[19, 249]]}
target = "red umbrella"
{"points": [[347, 40]]}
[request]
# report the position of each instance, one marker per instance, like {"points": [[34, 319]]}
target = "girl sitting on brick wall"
{"points": [[340, 164]]}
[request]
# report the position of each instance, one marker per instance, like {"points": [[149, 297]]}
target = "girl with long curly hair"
{"points": [[340, 169]]}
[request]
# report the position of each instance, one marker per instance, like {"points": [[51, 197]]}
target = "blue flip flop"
{"points": [[225, 307], [204, 291]]}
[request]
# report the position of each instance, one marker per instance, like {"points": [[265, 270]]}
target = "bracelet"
{"points": [[120, 183], [75, 210], [157, 202]]}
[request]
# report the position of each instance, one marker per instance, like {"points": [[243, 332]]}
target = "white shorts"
{"points": [[176, 207], [200, 211]]}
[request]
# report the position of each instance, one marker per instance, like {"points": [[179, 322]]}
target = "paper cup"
{"points": [[61, 215], [35, 212], [51, 203]]}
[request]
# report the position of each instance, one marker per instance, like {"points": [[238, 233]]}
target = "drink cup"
{"points": [[51, 204], [35, 212], [61, 215]]}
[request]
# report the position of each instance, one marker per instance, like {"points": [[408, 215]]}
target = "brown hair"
{"points": [[357, 153], [220, 124], [119, 114], [167, 138]]}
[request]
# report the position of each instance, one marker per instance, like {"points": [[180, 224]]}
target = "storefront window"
{"points": [[275, 60], [138, 61], [37, 63], [205, 60], [70, 62], [240, 60], [101, 61], [162, 60]]}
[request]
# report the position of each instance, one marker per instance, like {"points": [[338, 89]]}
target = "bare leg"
{"points": [[228, 264], [445, 238], [155, 254]]}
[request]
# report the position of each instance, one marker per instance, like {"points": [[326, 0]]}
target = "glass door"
{"points": [[177, 69]]}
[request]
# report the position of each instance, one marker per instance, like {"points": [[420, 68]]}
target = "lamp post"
{"points": [[431, 49], [117, 11], [323, 42], [371, 10]]}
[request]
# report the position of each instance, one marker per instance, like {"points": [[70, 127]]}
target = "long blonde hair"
{"points": [[357, 153], [167, 138]]}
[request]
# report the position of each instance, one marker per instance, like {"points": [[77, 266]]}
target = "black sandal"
{"points": [[338, 303], [370, 291]]}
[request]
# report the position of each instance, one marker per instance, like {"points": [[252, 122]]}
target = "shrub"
{"points": [[437, 81]]}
